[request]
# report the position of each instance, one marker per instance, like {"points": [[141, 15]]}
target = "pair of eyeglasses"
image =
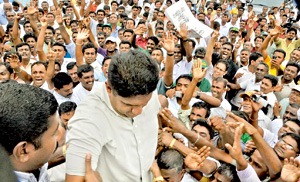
{"points": [[288, 146]]}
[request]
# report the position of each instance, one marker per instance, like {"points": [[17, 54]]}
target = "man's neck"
{"points": [[25, 62], [284, 81], [110, 53]]}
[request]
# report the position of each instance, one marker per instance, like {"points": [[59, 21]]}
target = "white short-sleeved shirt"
{"points": [[122, 148], [182, 67]]}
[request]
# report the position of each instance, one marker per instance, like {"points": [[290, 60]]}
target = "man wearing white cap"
{"points": [[111, 47]]}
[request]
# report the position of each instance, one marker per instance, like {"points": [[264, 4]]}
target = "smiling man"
{"points": [[117, 124]]}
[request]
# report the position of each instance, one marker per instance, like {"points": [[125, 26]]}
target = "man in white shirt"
{"points": [[113, 123], [63, 87], [87, 83]]}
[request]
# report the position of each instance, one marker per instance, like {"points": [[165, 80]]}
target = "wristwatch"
{"points": [[198, 95]]}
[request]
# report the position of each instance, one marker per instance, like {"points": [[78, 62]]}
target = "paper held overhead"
{"points": [[179, 13]]}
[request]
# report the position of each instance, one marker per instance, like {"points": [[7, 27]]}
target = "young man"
{"points": [[63, 87], [35, 130], [115, 140]]}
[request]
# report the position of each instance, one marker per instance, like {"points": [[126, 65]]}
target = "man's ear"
{"points": [[108, 88], [22, 151]]}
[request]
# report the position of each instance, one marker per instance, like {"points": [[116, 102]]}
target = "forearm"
{"points": [[189, 94], [268, 154], [79, 56], [168, 77], [210, 100], [64, 34], [188, 50], [33, 25]]}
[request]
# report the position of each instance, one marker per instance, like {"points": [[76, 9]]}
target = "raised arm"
{"points": [[82, 34], [15, 32], [51, 57], [15, 64], [31, 10], [198, 75], [87, 23], [168, 45], [62, 28], [41, 39], [184, 35], [264, 45], [210, 47], [75, 11]]}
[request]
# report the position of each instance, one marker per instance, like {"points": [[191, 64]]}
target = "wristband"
{"points": [[159, 178], [64, 150], [170, 54], [198, 138], [172, 143]]}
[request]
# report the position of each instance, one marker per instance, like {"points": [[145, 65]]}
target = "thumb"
{"points": [[229, 147], [88, 163]]}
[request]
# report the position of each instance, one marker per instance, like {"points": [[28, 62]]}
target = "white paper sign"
{"points": [[179, 13]]}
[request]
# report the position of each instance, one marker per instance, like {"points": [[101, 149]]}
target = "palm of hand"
{"points": [[198, 73], [289, 173], [31, 10], [168, 45], [82, 36], [192, 163]]}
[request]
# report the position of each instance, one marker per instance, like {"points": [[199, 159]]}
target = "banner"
{"points": [[179, 13]]}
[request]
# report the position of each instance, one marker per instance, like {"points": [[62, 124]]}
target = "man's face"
{"points": [[246, 105], [159, 32], [150, 45], [171, 175], [129, 24], [50, 18], [258, 164], [160, 16], [73, 74], [157, 55], [66, 91], [258, 42], [233, 34], [260, 72], [49, 143], [105, 67], [290, 73], [182, 85], [113, 19], [32, 44], [294, 97], [202, 131], [177, 54], [45, 6], [28, 28], [290, 113], [266, 86], [248, 45], [244, 57], [170, 26], [226, 51], [124, 48], [87, 80], [286, 147], [60, 52], [65, 117], [278, 57], [219, 70], [24, 51], [4, 74], [128, 106], [38, 73], [218, 89], [127, 36], [107, 30], [289, 127], [295, 56], [291, 35], [111, 46], [89, 55], [197, 113], [100, 16], [48, 36], [10, 16]]}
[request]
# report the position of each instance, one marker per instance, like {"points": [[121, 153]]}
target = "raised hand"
{"points": [[250, 23], [165, 138], [19, 16], [58, 17], [215, 35], [31, 8], [291, 170], [87, 22], [14, 62], [183, 31], [276, 31], [247, 126], [194, 161], [277, 109], [235, 151], [198, 73], [44, 22], [168, 42], [51, 56], [82, 34], [171, 121]]}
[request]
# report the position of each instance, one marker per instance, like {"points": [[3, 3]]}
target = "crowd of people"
{"points": [[111, 90]]}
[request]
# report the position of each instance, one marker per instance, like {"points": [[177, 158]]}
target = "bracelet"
{"points": [[198, 138], [170, 54], [172, 143], [18, 71], [159, 178]]}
